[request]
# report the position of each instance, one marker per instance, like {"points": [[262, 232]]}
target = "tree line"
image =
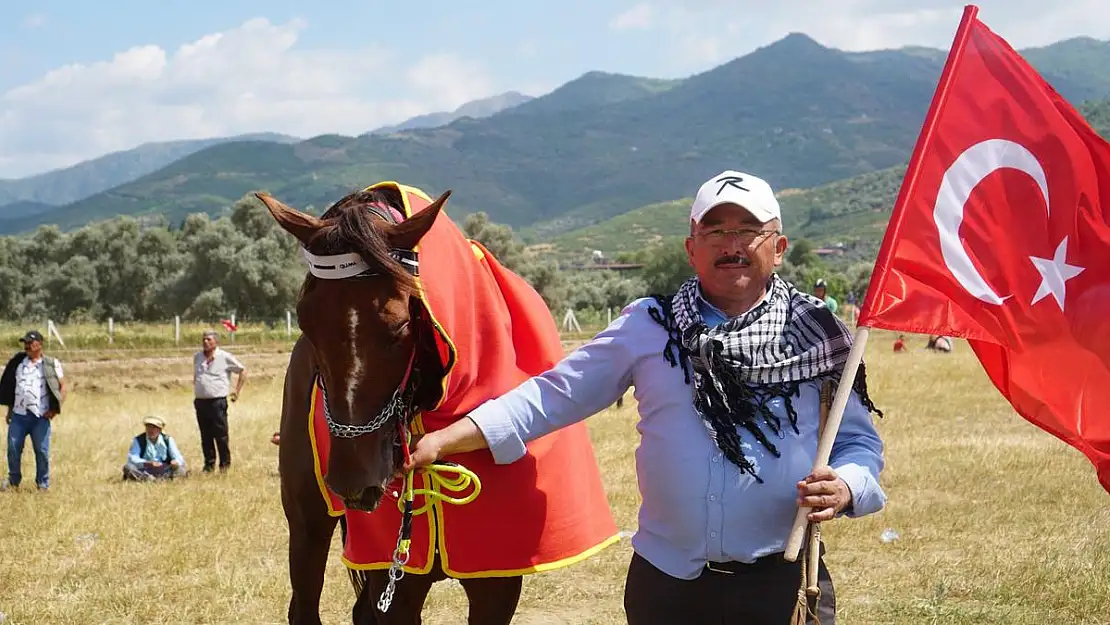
{"points": [[243, 263]]}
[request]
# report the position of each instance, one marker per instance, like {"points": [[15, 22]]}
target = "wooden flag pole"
{"points": [[824, 445]]}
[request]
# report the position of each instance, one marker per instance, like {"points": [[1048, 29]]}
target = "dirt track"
{"points": [[95, 371]]}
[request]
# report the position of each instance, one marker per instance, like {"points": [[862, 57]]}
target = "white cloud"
{"points": [[249, 79], [34, 20], [639, 17]]}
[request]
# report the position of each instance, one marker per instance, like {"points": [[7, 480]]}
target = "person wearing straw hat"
{"points": [[154, 454], [732, 376]]}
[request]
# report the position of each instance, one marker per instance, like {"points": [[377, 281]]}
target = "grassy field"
{"points": [[998, 522]]}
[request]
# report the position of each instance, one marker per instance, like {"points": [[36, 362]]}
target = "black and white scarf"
{"points": [[787, 339]]}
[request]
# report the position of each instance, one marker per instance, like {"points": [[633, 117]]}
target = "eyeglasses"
{"points": [[747, 236]]}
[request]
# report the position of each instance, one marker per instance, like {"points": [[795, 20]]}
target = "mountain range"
{"points": [[35, 195], [798, 113], [476, 109]]}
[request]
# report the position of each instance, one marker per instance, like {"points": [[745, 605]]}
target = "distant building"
{"points": [[619, 267]]}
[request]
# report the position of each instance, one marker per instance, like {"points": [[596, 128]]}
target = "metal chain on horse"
{"points": [[401, 552], [396, 407]]}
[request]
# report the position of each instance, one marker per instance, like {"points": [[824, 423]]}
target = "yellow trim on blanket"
{"points": [[538, 568], [316, 453], [453, 352], [427, 568], [478, 253]]}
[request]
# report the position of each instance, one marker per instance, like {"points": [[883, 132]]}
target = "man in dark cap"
{"points": [[820, 290], [33, 388]]}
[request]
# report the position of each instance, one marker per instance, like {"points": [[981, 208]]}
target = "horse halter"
{"points": [[351, 265]]}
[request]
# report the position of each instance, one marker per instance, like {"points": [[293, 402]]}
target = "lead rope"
{"points": [[808, 587], [463, 479]]}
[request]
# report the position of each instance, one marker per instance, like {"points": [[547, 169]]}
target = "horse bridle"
{"points": [[351, 266]]}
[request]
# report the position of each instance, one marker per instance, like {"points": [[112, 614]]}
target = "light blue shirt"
{"points": [[154, 451], [697, 506]]}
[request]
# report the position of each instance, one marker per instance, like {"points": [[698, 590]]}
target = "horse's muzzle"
{"points": [[365, 501]]}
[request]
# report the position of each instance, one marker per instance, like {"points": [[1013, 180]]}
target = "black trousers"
{"points": [[212, 421], [762, 593]]}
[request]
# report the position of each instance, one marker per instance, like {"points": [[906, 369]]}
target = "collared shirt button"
{"points": [[717, 458], [712, 498], [712, 534]]}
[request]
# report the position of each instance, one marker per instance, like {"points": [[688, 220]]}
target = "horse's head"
{"points": [[359, 311]]}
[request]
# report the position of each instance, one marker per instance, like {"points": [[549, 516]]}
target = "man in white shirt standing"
{"points": [[212, 369], [33, 388]]}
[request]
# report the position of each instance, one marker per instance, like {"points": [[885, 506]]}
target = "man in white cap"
{"points": [[727, 375], [154, 454]]}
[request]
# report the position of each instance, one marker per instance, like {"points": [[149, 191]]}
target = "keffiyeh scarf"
{"points": [[736, 368]]}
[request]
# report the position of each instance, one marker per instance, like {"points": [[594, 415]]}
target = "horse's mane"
{"points": [[349, 226]]}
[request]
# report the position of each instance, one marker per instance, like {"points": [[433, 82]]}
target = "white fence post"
{"points": [[609, 314], [570, 321], [233, 325], [288, 324], [176, 329], [53, 329], [111, 328]]}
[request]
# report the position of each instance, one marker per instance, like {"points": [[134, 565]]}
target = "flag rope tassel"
{"points": [[810, 565]]}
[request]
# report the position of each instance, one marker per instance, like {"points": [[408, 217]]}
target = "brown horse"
{"points": [[369, 342]]}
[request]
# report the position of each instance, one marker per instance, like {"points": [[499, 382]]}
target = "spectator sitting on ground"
{"points": [[900, 343], [154, 455], [939, 344]]}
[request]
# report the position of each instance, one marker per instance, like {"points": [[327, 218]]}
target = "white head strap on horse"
{"points": [[349, 265]]}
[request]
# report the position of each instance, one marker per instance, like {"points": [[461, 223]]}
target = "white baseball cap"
{"points": [[733, 187]]}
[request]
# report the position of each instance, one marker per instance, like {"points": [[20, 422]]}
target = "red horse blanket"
{"points": [[542, 512]]}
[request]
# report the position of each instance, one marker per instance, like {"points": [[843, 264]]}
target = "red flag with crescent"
{"points": [[1001, 235]]}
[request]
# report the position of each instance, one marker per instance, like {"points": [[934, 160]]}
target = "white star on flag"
{"points": [[1054, 273]]}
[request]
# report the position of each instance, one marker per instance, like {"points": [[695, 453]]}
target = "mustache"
{"points": [[732, 260]]}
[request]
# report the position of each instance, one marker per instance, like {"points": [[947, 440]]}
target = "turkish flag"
{"points": [[230, 327], [1000, 235]]}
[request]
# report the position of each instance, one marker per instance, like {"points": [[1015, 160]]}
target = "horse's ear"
{"points": [[408, 233], [293, 221]]}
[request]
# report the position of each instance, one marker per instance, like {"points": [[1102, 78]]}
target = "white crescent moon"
{"points": [[968, 170]]}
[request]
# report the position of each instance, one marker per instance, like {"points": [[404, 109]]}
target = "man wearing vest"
{"points": [[33, 388], [154, 455]]}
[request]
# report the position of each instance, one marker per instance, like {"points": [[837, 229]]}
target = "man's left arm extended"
{"points": [[581, 384]]}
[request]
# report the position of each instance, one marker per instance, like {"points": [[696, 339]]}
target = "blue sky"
{"points": [[80, 79]]}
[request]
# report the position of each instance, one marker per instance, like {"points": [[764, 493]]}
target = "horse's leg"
{"points": [[309, 542], [310, 525], [493, 600], [408, 599]]}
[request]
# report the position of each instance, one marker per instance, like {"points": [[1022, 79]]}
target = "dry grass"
{"points": [[999, 522]]}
